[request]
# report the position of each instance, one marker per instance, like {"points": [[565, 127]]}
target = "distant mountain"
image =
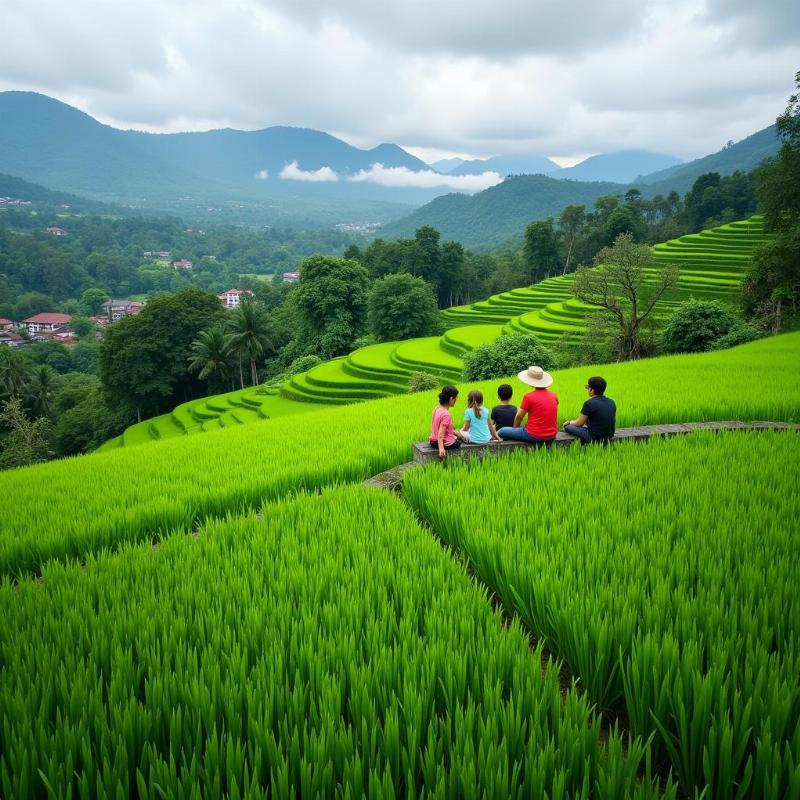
{"points": [[444, 165], [501, 212], [623, 166], [744, 155], [508, 165], [49, 142]]}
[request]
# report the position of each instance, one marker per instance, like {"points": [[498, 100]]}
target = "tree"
{"points": [[144, 359], [249, 337], [773, 283], [82, 327], [541, 250], [618, 285], [331, 303], [211, 356], [27, 442], [571, 220], [696, 326], [14, 375], [402, 307], [507, 355], [92, 300], [40, 389]]}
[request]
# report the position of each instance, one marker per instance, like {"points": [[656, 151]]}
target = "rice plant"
{"points": [[665, 575], [332, 649]]}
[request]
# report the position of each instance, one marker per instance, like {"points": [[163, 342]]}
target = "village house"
{"points": [[291, 277], [6, 325], [47, 322], [11, 339], [182, 263], [157, 254], [117, 309], [56, 231], [232, 298]]}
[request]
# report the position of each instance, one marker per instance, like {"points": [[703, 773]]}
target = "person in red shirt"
{"points": [[541, 408]]}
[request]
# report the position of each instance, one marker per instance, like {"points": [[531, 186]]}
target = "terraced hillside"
{"points": [[712, 265]]}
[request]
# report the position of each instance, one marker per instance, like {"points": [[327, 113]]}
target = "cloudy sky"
{"points": [[465, 77]]}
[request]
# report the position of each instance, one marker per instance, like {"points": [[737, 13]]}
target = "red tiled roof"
{"points": [[49, 318], [4, 321]]}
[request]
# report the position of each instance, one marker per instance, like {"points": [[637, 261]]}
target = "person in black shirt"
{"points": [[598, 418], [504, 413]]}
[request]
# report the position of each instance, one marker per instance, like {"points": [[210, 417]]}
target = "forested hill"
{"points": [[19, 189], [502, 212], [743, 156]]}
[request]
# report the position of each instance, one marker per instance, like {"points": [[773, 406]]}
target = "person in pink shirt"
{"points": [[443, 435]]}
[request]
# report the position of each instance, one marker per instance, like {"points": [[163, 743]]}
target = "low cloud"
{"points": [[262, 174], [424, 179], [292, 172]]}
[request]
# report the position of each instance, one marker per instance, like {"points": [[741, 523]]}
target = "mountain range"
{"points": [[308, 178]]}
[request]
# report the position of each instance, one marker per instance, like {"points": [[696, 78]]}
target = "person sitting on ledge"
{"points": [[598, 418], [478, 425], [442, 433], [541, 407]]}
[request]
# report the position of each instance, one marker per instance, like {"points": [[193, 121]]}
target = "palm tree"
{"points": [[14, 375], [250, 337], [211, 355], [40, 389]]}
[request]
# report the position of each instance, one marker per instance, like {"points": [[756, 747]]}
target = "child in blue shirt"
{"points": [[478, 426]]}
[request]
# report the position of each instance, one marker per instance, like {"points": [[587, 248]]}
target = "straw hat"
{"points": [[536, 376]]}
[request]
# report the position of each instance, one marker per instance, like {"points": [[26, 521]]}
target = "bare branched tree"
{"points": [[621, 284]]}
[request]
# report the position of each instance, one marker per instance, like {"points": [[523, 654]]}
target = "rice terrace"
{"points": [[464, 467]]}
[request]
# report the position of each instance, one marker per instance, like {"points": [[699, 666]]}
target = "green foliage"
{"points": [[540, 251], [25, 441], [696, 326], [249, 337], [740, 333], [669, 593], [331, 298], [507, 355], [714, 200], [423, 382], [144, 358], [402, 307], [772, 290], [82, 326], [334, 650]]}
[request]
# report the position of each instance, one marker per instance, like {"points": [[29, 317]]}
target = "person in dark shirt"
{"points": [[503, 414], [598, 418]]}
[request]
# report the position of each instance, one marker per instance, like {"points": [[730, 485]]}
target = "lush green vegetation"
{"points": [[333, 648], [135, 494], [665, 576]]}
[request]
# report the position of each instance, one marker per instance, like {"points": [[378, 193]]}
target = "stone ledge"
{"points": [[425, 453]]}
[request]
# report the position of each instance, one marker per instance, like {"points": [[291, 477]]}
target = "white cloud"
{"points": [[424, 179], [461, 76], [262, 174], [292, 172]]}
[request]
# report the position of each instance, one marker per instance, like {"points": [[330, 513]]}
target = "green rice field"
{"points": [[665, 575], [235, 615]]}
